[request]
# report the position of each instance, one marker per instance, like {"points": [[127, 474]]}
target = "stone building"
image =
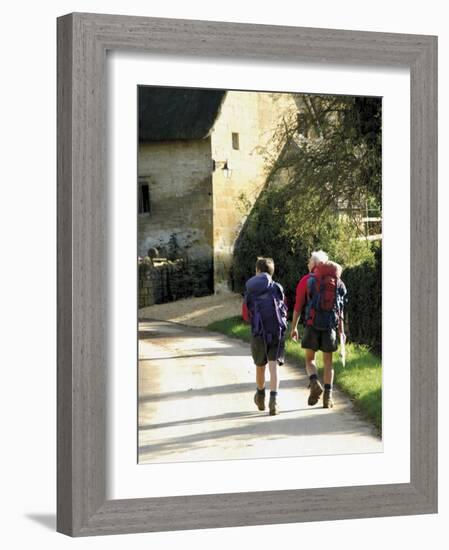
{"points": [[202, 161]]}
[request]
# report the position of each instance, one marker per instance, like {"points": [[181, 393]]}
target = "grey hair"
{"points": [[319, 257], [338, 268]]}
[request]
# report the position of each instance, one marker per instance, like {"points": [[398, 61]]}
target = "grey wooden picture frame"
{"points": [[83, 40]]}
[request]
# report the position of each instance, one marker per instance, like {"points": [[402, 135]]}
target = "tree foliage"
{"points": [[330, 161], [267, 232], [318, 187]]}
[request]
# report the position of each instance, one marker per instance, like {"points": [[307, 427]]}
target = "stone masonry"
{"points": [[202, 189]]}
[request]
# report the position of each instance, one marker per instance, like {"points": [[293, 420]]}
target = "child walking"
{"points": [[264, 306]]}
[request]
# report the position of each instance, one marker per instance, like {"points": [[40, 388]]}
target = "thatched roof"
{"points": [[167, 114]]}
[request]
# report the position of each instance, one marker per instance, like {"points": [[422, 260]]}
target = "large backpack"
{"points": [[326, 294], [268, 312]]}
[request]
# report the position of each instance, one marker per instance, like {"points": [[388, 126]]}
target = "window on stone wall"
{"points": [[144, 199], [235, 141]]}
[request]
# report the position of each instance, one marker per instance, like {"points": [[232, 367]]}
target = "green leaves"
{"points": [[331, 153], [318, 190]]}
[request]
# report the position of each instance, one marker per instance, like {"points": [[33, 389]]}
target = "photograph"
{"points": [[259, 260]]}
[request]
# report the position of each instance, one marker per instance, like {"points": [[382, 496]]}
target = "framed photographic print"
{"points": [[197, 161]]}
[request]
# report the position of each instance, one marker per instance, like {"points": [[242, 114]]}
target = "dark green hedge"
{"points": [[364, 309], [263, 235]]}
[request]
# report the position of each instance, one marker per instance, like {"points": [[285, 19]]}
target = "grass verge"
{"points": [[360, 379]]}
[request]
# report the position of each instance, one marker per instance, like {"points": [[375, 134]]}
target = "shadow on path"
{"points": [[227, 389], [218, 367], [285, 427], [218, 417]]}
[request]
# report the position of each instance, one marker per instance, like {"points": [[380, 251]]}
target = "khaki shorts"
{"points": [[261, 354], [323, 340]]}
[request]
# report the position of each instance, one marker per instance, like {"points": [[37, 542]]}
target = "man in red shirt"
{"points": [[313, 339]]}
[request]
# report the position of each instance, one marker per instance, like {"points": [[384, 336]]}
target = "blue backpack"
{"points": [[268, 313]]}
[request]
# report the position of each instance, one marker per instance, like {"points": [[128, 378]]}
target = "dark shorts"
{"points": [[262, 353], [323, 340]]}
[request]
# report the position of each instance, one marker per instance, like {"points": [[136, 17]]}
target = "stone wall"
{"points": [[202, 190], [241, 173], [179, 176], [173, 280]]}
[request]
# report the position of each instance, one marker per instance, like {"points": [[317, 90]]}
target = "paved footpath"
{"points": [[196, 392]]}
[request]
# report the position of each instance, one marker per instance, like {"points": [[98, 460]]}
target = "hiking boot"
{"points": [[273, 405], [316, 389], [259, 400], [328, 402]]}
